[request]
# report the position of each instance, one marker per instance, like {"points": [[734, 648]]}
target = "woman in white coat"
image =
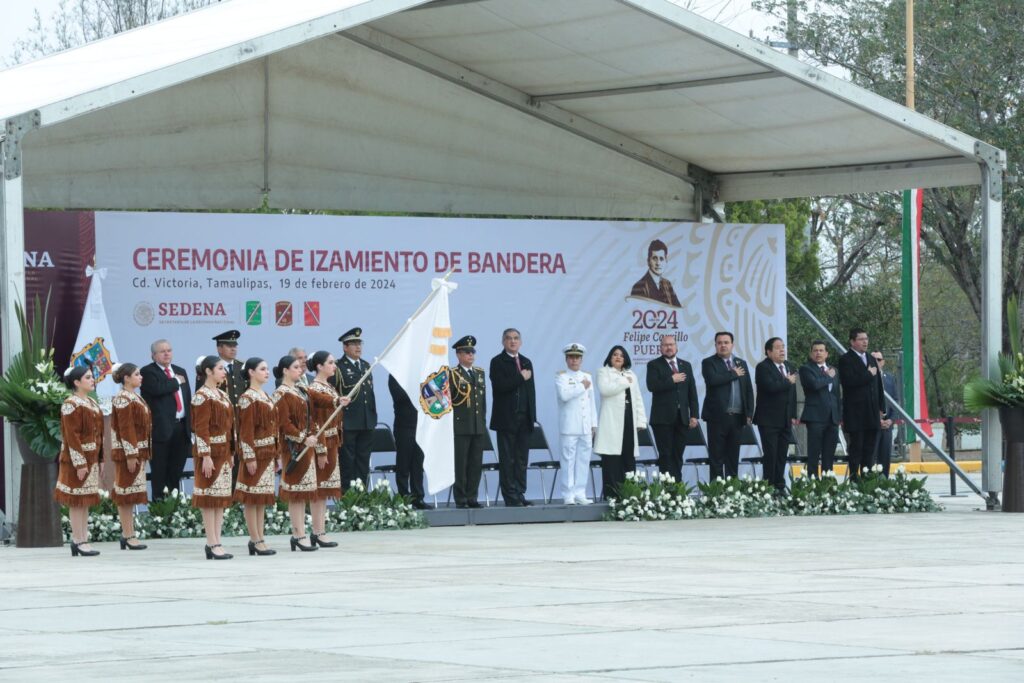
{"points": [[622, 413]]}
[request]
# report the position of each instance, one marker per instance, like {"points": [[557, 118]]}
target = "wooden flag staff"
{"points": [[376, 360]]}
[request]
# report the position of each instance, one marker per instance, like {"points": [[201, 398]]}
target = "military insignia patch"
{"points": [[311, 313], [283, 313], [253, 313], [96, 354], [436, 394]]}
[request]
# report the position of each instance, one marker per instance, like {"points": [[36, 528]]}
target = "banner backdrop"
{"points": [[297, 280]]}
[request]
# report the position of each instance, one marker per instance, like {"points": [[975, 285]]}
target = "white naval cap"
{"points": [[574, 349]]}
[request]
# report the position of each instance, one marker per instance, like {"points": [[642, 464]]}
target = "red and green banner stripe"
{"points": [[915, 400]]}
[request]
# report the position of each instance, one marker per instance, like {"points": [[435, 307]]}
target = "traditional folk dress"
{"points": [[131, 425], [257, 438], [81, 429], [292, 410], [212, 424], [323, 400]]}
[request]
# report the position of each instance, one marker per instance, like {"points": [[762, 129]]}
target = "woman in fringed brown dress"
{"points": [[323, 401], [130, 426], [81, 455], [298, 478], [212, 426], [257, 439]]}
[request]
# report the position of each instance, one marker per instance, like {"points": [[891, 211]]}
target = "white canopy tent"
{"points": [[572, 108]]}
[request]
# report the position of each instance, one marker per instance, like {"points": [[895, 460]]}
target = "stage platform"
{"points": [[539, 512]]}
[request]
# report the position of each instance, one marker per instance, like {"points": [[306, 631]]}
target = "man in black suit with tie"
{"points": [[775, 411], [512, 416], [166, 391], [360, 417], [653, 285], [728, 405], [822, 409], [674, 406], [863, 402], [883, 449]]}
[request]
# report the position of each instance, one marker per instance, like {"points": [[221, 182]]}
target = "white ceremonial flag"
{"points": [[94, 344], [418, 360]]}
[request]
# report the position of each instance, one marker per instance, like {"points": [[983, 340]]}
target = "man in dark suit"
{"points": [[822, 409], [863, 403], [360, 417], [227, 348], [166, 391], [469, 408], [408, 454], [728, 405], [512, 416], [883, 448], [674, 406], [653, 285], [776, 410]]}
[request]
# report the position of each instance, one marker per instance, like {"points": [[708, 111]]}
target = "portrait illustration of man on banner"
{"points": [[654, 286]]}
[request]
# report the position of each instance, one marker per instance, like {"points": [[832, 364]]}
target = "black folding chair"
{"points": [[645, 439], [748, 437], [383, 442], [485, 467], [539, 442], [695, 437]]}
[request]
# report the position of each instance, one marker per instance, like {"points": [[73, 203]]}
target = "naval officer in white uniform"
{"points": [[577, 423]]}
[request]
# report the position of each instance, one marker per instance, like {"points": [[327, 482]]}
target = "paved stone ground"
{"points": [[936, 597]]}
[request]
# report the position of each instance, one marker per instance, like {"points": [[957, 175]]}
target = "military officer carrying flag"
{"points": [[577, 423], [360, 418], [469, 407]]}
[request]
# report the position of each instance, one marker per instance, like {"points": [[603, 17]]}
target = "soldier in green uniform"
{"points": [[469, 406], [360, 417], [227, 348]]}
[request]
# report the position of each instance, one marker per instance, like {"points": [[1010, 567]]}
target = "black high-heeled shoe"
{"points": [[210, 555], [76, 551], [125, 545], [315, 540], [298, 546], [253, 550]]}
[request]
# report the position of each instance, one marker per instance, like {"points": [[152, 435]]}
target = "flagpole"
{"points": [[355, 388]]}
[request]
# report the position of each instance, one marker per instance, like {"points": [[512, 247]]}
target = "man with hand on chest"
{"points": [[775, 413], [577, 423], [674, 406]]}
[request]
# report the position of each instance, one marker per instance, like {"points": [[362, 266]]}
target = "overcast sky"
{"points": [[17, 17]]}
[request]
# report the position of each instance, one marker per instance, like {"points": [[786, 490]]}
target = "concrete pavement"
{"points": [[936, 597]]}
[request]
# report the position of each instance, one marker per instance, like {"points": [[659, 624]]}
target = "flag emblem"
{"points": [[435, 394], [95, 353], [311, 313], [283, 313], [253, 313]]}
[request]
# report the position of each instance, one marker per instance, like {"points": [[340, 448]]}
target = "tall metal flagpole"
{"points": [[376, 360], [910, 272]]}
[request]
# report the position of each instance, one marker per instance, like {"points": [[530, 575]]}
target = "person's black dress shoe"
{"points": [[461, 506], [420, 505], [513, 504], [474, 504]]}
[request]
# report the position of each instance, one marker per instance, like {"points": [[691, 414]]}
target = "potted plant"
{"points": [[1007, 395], [31, 395]]}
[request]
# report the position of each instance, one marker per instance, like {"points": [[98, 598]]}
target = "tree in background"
{"points": [[76, 22], [969, 75]]}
